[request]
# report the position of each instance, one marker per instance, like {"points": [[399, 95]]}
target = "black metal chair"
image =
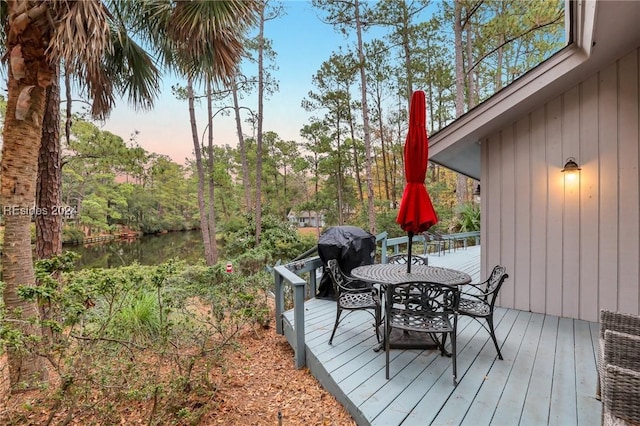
{"points": [[403, 259], [478, 300], [352, 296], [435, 240], [425, 307]]}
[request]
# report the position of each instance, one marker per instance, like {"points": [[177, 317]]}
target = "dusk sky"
{"points": [[302, 43]]}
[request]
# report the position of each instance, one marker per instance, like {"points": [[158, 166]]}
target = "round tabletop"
{"points": [[388, 273]]}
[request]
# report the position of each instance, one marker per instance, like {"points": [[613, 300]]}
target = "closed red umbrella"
{"points": [[416, 212]]}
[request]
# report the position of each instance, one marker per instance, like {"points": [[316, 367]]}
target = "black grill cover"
{"points": [[350, 245]]}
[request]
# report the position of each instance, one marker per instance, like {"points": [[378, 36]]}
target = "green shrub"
{"points": [[140, 333]]}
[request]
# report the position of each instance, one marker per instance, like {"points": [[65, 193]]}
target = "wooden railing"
{"points": [[288, 278]]}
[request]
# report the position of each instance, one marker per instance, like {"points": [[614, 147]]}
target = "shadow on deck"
{"points": [[547, 377]]}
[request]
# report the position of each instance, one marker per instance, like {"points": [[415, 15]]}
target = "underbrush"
{"points": [[137, 342]]}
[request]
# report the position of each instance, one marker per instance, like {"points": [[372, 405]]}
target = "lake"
{"points": [[147, 250]]}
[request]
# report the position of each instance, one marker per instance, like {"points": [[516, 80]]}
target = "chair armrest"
{"points": [[620, 396], [476, 290], [625, 323], [622, 350], [472, 293]]}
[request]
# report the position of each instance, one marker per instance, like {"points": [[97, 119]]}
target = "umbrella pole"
{"points": [[409, 252]]}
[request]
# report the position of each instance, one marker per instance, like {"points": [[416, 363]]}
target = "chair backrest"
{"points": [[402, 259], [619, 321], [492, 285], [337, 277], [622, 350], [343, 283], [433, 236], [423, 297]]}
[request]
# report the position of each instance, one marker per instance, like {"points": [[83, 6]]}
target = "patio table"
{"points": [[390, 273], [387, 273]]}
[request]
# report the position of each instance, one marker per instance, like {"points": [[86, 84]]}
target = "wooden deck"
{"points": [[547, 377]]}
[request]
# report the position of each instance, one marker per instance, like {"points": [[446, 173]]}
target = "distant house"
{"points": [[305, 219], [571, 248]]}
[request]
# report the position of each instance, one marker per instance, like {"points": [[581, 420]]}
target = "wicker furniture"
{"points": [[352, 296], [422, 307], [403, 259], [478, 301], [621, 379], [615, 321]]}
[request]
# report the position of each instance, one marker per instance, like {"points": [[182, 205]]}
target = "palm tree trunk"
{"points": [[18, 177]]}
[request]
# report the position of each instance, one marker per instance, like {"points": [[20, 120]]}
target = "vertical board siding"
{"points": [[571, 214], [507, 293], [555, 180], [608, 154], [538, 213], [571, 249], [485, 208], [493, 239], [522, 267], [628, 223], [589, 199]]}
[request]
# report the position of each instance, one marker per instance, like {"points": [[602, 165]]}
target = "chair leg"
{"points": [[441, 343], [378, 321], [453, 358], [493, 335], [335, 326], [386, 348]]}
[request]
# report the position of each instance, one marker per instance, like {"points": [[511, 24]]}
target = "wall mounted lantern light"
{"points": [[476, 194], [571, 168]]}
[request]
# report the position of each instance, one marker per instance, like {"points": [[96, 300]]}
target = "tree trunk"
{"points": [[243, 148], [210, 182], [48, 190], [339, 176], [18, 176], [385, 168], [461, 180], [260, 118], [457, 30], [356, 163], [367, 130], [204, 225]]}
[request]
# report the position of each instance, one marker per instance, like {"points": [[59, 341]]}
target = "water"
{"points": [[148, 250]]}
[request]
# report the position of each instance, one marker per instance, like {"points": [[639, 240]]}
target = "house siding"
{"points": [[570, 248]]}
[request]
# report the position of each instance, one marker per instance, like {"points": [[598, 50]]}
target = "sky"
{"points": [[302, 42]]}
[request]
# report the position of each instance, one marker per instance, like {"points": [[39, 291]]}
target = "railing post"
{"points": [[313, 282], [279, 296], [284, 273], [298, 321], [382, 237]]}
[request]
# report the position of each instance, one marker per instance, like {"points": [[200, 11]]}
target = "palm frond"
{"points": [[208, 36], [133, 70], [81, 38]]}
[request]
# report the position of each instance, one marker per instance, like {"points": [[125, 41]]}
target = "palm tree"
{"points": [[190, 36]]}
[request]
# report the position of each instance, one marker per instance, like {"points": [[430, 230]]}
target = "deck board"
{"points": [[548, 375]]}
